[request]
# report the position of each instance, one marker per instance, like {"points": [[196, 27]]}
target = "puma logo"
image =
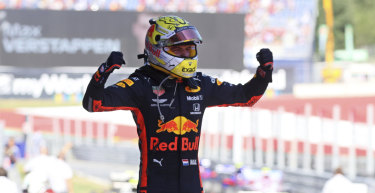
{"points": [[157, 161]]}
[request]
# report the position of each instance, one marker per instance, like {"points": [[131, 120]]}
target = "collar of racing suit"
{"points": [[159, 76], [165, 80]]}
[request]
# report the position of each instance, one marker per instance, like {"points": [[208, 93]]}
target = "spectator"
{"points": [[6, 185], [37, 170], [60, 179], [12, 153], [338, 183], [37, 142], [48, 173]]}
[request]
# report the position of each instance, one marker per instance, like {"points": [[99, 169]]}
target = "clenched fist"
{"points": [[114, 61], [265, 58]]}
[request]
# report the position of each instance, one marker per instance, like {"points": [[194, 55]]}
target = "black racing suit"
{"points": [[169, 149]]}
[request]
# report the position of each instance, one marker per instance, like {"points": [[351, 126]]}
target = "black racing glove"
{"points": [[265, 59], [114, 61]]}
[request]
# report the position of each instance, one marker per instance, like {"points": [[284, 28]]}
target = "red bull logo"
{"points": [[154, 51], [186, 144], [179, 125]]}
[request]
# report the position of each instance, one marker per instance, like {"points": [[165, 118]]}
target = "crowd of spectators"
{"points": [[211, 6]]}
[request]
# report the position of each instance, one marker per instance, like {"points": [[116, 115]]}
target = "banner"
{"points": [[55, 83], [43, 38]]}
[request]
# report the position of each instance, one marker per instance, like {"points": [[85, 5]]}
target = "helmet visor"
{"points": [[184, 50], [184, 34]]}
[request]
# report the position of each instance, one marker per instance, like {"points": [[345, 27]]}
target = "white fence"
{"points": [[252, 136], [285, 140]]}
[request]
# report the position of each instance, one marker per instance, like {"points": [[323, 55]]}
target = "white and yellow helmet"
{"points": [[166, 32]]}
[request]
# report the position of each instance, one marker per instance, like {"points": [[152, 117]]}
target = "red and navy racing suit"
{"points": [[169, 149]]}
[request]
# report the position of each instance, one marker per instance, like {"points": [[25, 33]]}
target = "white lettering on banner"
{"points": [[5, 82], [17, 29], [24, 45], [50, 84], [28, 39]]}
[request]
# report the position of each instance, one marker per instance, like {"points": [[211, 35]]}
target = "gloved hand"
{"points": [[114, 61], [265, 59]]}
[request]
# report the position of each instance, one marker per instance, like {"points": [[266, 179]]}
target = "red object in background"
{"points": [[15, 121], [229, 182]]}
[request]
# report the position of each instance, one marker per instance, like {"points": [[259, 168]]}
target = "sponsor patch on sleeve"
{"points": [[128, 82], [121, 84]]}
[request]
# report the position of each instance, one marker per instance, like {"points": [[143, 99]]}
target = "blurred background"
{"points": [[316, 116]]}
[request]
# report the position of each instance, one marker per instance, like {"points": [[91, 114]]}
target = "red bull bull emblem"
{"points": [[179, 125]]}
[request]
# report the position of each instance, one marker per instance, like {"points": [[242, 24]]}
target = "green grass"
{"points": [[18, 103], [86, 185]]}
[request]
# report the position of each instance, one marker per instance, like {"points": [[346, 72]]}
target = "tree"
{"points": [[359, 14]]}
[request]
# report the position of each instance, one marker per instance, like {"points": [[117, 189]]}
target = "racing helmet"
{"points": [[171, 46]]}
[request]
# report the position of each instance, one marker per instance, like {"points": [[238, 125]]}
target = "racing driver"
{"points": [[168, 97]]}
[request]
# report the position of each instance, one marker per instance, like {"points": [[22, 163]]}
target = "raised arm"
{"points": [[227, 94], [96, 93]]}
